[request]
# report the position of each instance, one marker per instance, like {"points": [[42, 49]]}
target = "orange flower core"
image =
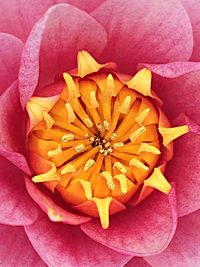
{"points": [[103, 142]]}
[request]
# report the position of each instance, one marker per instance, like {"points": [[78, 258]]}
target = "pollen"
{"points": [[101, 142]]}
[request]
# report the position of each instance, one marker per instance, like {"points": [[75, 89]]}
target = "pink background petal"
{"points": [[53, 45], [12, 128], [22, 14], [145, 31], [16, 249], [193, 9], [137, 262], [65, 245], [10, 55], [142, 230], [184, 169], [16, 207], [43, 199], [183, 251], [179, 94]]}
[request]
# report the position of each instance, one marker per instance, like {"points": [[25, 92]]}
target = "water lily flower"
{"points": [[94, 95]]}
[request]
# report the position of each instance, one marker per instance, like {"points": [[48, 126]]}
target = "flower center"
{"points": [[99, 143]]}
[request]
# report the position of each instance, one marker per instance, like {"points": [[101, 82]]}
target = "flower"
{"points": [[41, 45]]}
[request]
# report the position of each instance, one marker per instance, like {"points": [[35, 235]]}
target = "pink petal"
{"points": [[16, 249], [143, 230], [184, 168], [193, 9], [18, 16], [12, 125], [137, 262], [183, 251], [53, 44], [43, 199], [177, 84], [64, 245], [10, 54], [16, 207], [145, 31]]}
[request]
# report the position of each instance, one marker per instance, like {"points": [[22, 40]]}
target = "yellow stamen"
{"points": [[118, 145], [88, 122], [88, 164], [106, 125], [144, 147], [113, 136], [142, 116], [79, 148], [103, 206], [70, 112], [158, 181], [72, 89], [137, 133], [87, 188], [55, 152], [68, 169], [47, 176], [120, 167], [124, 108], [93, 100], [107, 175], [109, 88], [48, 120], [137, 163], [141, 82], [67, 137], [123, 182], [169, 134], [87, 64]]}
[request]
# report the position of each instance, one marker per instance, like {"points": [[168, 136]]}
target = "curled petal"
{"points": [[16, 207], [54, 211], [10, 54], [46, 46], [72, 245], [15, 243], [183, 250], [145, 31]]}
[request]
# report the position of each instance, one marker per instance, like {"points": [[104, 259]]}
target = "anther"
{"points": [[120, 167], [100, 127], [88, 122], [124, 108], [136, 163], [93, 100], [92, 139], [48, 120], [67, 137], [113, 136], [70, 112], [79, 148], [107, 145], [107, 175], [106, 125], [88, 164], [118, 145], [110, 150]]}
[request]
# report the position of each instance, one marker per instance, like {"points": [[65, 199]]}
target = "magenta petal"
{"points": [[16, 207], [137, 262], [184, 168], [16, 249], [43, 199], [145, 31], [64, 245], [53, 44], [177, 84], [143, 230], [183, 251], [193, 9], [10, 55]]}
